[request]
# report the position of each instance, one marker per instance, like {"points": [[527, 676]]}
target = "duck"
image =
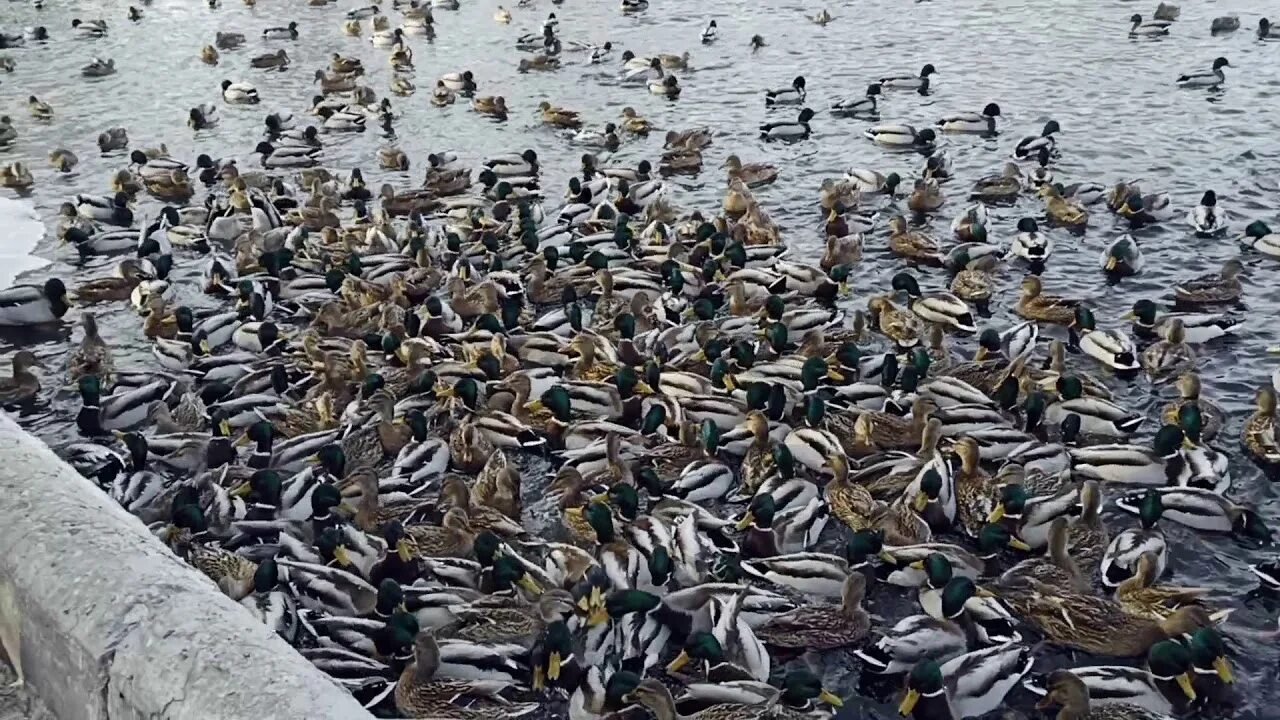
{"points": [[1061, 210], [1162, 688], [1097, 416], [1001, 188], [822, 626], [1123, 257], [26, 304], [791, 95], [913, 245], [16, 175], [753, 175], [494, 106], [866, 104], [286, 32], [926, 196], [1030, 243], [277, 60], [39, 109], [1198, 508], [23, 385], [1170, 355], [919, 83], [937, 306], [1109, 347], [970, 685], [1207, 219], [1213, 288], [1155, 465], [99, 68], [1153, 28], [1034, 304], [793, 130], [983, 122], [1028, 148], [239, 93], [1198, 328], [1266, 30], [1259, 433], [902, 136], [1211, 79], [420, 693], [1071, 694]]}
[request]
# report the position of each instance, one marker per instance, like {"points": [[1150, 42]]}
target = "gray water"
{"points": [[1115, 99]]}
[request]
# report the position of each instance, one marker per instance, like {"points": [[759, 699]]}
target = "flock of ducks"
{"points": [[356, 447]]}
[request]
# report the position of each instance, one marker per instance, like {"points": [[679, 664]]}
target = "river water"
{"points": [[1120, 113]]}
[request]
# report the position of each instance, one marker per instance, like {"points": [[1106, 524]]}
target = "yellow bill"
{"points": [[746, 520], [830, 698], [1223, 667], [1184, 682], [997, 514], [553, 666], [909, 702], [681, 660]]}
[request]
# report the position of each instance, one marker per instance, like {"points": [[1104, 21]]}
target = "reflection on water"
{"points": [[1115, 99]]}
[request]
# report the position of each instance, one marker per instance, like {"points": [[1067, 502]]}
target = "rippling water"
{"points": [[1121, 116]]}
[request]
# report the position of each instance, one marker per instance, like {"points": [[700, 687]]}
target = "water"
{"points": [[1121, 115]]}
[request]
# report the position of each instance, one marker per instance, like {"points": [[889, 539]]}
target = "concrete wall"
{"points": [[107, 623]]}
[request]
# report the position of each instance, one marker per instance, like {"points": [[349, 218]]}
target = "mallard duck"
{"points": [[39, 109], [657, 698], [1004, 187], [1067, 690], [558, 116], [970, 685], [1120, 560], [1207, 219], [901, 136], [419, 693], [1214, 288], [1198, 328], [794, 530], [1061, 210], [1213, 417], [1131, 464], [16, 175], [822, 626], [92, 356], [1163, 688], [894, 322], [209, 55], [1098, 416], [793, 94], [239, 93], [864, 104], [753, 175], [936, 306], [983, 122], [788, 130], [1033, 304], [271, 61], [492, 105], [1169, 355], [919, 83], [914, 245], [1110, 347], [23, 385], [1028, 148], [926, 196], [24, 304], [1259, 433], [1123, 257], [1214, 77], [1140, 595]]}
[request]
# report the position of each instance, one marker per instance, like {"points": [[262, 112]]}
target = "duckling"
{"points": [[39, 110]]}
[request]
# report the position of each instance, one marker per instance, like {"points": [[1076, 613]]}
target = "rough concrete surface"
{"points": [[108, 623], [19, 703]]}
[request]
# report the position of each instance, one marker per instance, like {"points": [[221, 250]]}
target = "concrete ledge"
{"points": [[108, 623]]}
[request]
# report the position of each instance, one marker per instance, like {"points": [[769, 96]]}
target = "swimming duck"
{"points": [[1266, 30], [1033, 304], [1109, 347], [919, 83], [1259, 433], [494, 106], [1061, 210], [1030, 244], [859, 105], [926, 196], [753, 175], [1004, 187], [558, 116], [1028, 148], [16, 175], [1213, 78], [793, 130], [1122, 257], [1066, 689], [1198, 328], [23, 385], [89, 28], [966, 686], [903, 136], [1213, 288], [287, 32], [1207, 219], [793, 95], [39, 109], [983, 122], [24, 304], [936, 306], [1169, 355], [99, 68], [277, 60], [239, 93], [914, 245], [1154, 28]]}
